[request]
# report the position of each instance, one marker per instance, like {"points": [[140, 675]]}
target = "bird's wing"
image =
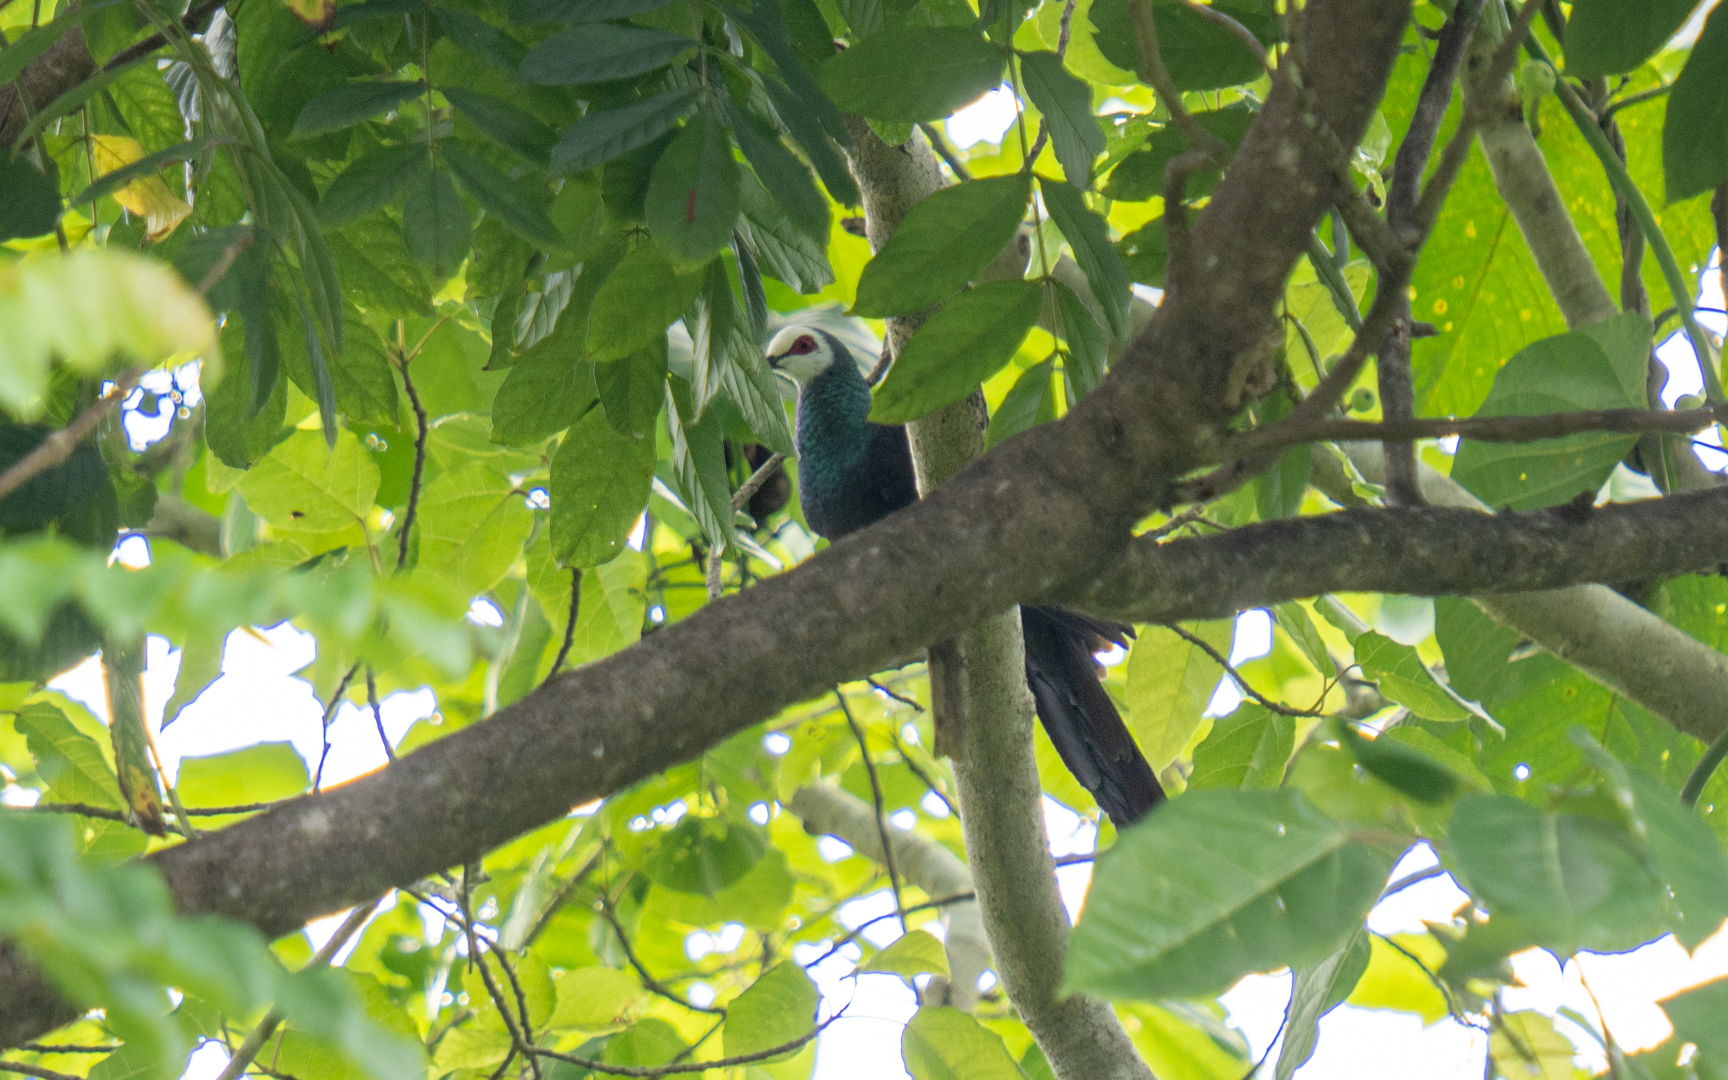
{"points": [[890, 465], [1079, 716]]}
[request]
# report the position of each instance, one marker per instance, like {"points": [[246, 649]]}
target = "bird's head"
{"points": [[802, 353]]}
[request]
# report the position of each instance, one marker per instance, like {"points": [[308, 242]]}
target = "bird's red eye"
{"points": [[804, 345]]}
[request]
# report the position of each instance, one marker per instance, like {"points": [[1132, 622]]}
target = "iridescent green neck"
{"points": [[833, 428]]}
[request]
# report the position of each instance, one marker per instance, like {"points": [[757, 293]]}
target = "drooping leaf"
{"points": [[778, 1008], [1081, 331], [784, 175], [352, 103], [371, 183], [596, 52], [913, 73], [915, 952], [1218, 884], [481, 39], [636, 303], [1402, 766], [1170, 683], [1089, 236], [943, 1043], [1246, 750], [601, 136], [518, 204], [1608, 38], [785, 252], [1199, 53], [693, 197], [1029, 402], [599, 485], [704, 855], [504, 123], [471, 528], [943, 242], [1403, 677], [32, 202], [1066, 102], [542, 395], [966, 342], [633, 390], [435, 223], [1693, 158], [1317, 989]]}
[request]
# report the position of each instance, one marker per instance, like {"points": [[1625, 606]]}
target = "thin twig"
{"points": [[477, 957], [881, 807], [924, 777], [889, 692], [420, 427], [1705, 768], [69, 1048], [58, 446], [854, 933], [329, 714], [945, 152], [1212, 14], [653, 985], [377, 713], [764, 473], [110, 814], [693, 1066], [570, 624], [559, 897], [1192, 514], [248, 1050], [35, 1070], [1411, 879], [1236, 676], [521, 1003]]}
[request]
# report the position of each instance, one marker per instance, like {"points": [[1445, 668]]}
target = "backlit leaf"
{"points": [[966, 342]]}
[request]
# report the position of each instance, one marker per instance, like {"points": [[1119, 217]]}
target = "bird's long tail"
{"points": [[1079, 716]]}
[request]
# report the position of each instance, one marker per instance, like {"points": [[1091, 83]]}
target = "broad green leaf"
{"points": [[550, 11], [471, 528], [693, 198], [785, 252], [704, 854], [699, 464], [941, 245], [632, 391], [308, 487], [599, 484], [1146, 252], [1318, 988], [371, 183], [350, 104], [377, 272], [1607, 37], [362, 379], [504, 123], [32, 202], [200, 665], [1080, 330], [1395, 981], [1030, 401], [651, 1042], [1401, 766], [70, 761], [1526, 1043], [597, 52], [778, 1008], [597, 999], [966, 342], [1403, 677], [1693, 156], [1089, 236], [518, 204], [1600, 367], [542, 395], [636, 303], [916, 952], [783, 174], [1475, 647], [264, 772], [807, 126], [1141, 175], [1246, 750], [1576, 882], [1199, 54], [806, 110], [435, 223], [1170, 683], [913, 73], [1218, 884], [946, 1044], [1066, 103], [481, 39], [1697, 1015], [601, 136]]}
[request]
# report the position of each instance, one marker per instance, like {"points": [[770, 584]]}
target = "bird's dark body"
{"points": [[853, 473]]}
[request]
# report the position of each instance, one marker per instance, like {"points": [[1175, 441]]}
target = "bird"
{"points": [[852, 473]]}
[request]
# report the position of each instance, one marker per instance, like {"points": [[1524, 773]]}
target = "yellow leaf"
{"points": [[1394, 981], [148, 196], [318, 14]]}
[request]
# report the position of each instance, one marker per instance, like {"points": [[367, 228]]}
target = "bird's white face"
{"points": [[800, 353]]}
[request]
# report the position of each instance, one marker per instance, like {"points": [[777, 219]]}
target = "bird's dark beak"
{"points": [[774, 360]]}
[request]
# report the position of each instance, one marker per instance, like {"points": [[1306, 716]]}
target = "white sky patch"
{"points": [[985, 120], [1253, 640]]}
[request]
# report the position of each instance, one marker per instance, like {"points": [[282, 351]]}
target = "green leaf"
{"points": [[1693, 157], [1140, 176], [1609, 37], [542, 395], [1574, 881], [472, 527], [785, 251], [601, 136], [1246, 750], [956, 349], [636, 303], [693, 198], [1026, 404], [352, 103], [264, 772], [200, 665], [1146, 252], [435, 225], [779, 1007], [1066, 103], [550, 11], [67, 759], [599, 485], [1317, 990], [1218, 884], [1079, 329], [1089, 236], [1170, 683], [371, 183], [596, 998], [1199, 54], [377, 273], [1404, 678], [1402, 766], [806, 110], [1697, 1016], [504, 123], [633, 390], [308, 487], [518, 204], [941, 245], [362, 379], [148, 165], [783, 175], [915, 952], [942, 1043], [32, 202], [597, 52], [704, 854], [809, 129], [913, 73], [699, 464], [481, 39], [1599, 367]]}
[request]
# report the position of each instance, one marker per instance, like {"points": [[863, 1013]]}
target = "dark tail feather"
{"points": [[1079, 716]]}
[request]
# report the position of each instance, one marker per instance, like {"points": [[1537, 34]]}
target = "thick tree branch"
{"points": [[1446, 550], [1041, 510]]}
